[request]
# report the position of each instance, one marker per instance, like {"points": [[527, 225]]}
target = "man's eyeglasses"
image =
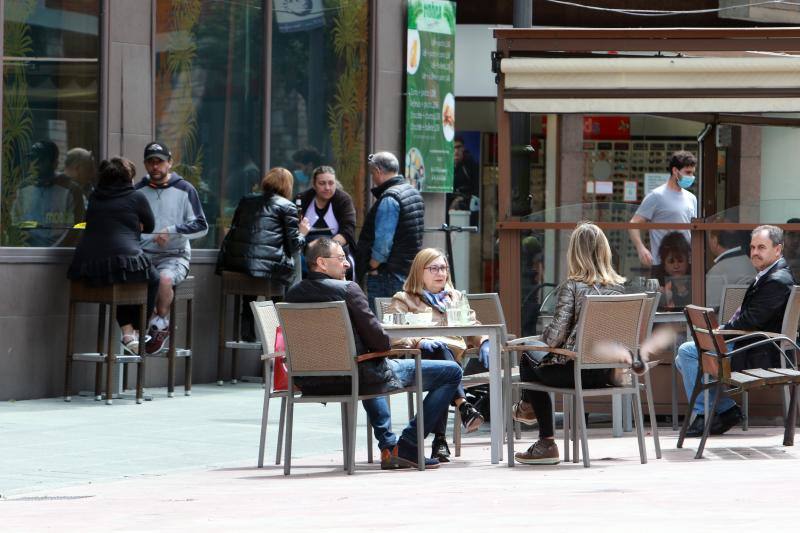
{"points": [[342, 258], [436, 269]]}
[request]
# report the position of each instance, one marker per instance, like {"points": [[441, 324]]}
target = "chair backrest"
{"points": [[791, 317], [732, 298], [612, 318], [702, 322], [319, 338], [266, 322], [381, 306], [648, 315], [487, 308]]}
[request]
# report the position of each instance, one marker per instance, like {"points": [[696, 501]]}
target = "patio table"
{"points": [[496, 389]]}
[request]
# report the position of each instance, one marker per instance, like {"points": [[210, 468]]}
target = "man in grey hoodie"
{"points": [[179, 218]]}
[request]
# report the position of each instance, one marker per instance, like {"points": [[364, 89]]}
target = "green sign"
{"points": [[430, 104]]}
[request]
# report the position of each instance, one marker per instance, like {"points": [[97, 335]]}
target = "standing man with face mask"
{"points": [[670, 202], [179, 217]]}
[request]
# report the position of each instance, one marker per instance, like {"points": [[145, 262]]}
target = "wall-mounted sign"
{"points": [[298, 15], [606, 128], [653, 180], [430, 104]]}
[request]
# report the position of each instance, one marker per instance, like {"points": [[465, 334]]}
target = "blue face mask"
{"points": [[686, 181]]}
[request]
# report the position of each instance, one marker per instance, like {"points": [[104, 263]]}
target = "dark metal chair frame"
{"points": [[715, 359]]}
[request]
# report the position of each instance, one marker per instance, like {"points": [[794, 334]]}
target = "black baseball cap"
{"points": [[157, 149]]}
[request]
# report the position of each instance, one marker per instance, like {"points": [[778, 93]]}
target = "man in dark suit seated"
{"points": [[326, 282], [762, 310]]}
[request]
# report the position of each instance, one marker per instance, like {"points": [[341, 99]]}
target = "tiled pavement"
{"points": [[189, 463]]}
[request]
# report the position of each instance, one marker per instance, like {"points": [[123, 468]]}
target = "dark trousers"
{"points": [[554, 376]]}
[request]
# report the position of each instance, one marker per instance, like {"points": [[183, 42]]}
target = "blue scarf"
{"points": [[439, 301]]}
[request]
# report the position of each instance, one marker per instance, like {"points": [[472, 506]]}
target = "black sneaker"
{"points": [[471, 419], [725, 421], [407, 456], [697, 426], [439, 450]]}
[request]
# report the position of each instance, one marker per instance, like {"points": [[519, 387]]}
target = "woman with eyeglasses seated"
{"points": [[428, 289], [589, 272], [263, 237], [327, 211]]}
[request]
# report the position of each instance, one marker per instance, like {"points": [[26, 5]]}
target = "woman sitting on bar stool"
{"points": [[328, 211], [263, 237], [109, 251], [589, 272], [428, 289]]}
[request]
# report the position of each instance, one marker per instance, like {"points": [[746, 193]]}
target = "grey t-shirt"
{"points": [[665, 205]]}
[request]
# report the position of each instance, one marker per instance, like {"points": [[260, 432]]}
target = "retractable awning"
{"points": [[720, 74], [652, 84]]}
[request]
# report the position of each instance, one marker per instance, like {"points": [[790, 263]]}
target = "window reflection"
{"points": [[209, 100], [50, 126]]}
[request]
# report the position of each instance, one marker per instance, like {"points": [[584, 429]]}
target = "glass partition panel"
{"points": [[209, 100], [50, 119], [320, 83], [544, 265]]}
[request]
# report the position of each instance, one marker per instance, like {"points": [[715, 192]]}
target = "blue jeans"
{"points": [[687, 364], [439, 378], [382, 285]]}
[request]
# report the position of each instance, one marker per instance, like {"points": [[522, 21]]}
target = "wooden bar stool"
{"points": [[112, 296], [237, 285], [184, 292]]}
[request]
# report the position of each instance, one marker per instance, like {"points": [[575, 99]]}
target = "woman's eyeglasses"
{"points": [[436, 269]]}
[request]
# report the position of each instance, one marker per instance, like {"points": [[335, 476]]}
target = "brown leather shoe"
{"points": [[541, 452], [389, 459]]}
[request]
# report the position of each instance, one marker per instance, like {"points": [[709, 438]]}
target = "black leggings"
{"points": [[554, 376], [129, 314]]}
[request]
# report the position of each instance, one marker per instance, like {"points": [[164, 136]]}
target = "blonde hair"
{"points": [[589, 257], [278, 181], [426, 256]]}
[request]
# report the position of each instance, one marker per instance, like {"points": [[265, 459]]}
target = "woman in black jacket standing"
{"points": [[264, 235], [109, 251], [328, 211]]}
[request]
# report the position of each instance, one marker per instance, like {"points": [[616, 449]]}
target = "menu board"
{"points": [[430, 104]]}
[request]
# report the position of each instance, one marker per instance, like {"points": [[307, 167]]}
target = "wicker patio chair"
{"points": [[319, 342], [266, 322], [715, 359], [603, 319]]}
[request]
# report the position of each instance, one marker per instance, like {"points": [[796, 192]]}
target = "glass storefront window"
{"points": [[320, 82], [209, 100], [50, 119]]}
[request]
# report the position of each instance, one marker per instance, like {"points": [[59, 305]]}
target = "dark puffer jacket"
{"points": [[263, 236]]}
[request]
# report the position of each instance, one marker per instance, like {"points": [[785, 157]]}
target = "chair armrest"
{"points": [[274, 355], [535, 347], [395, 352], [726, 332], [522, 340], [510, 337]]}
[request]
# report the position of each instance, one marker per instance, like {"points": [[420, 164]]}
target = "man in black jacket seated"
{"points": [[761, 310], [326, 283]]}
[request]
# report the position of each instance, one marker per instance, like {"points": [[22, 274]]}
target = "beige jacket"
{"points": [[403, 302]]}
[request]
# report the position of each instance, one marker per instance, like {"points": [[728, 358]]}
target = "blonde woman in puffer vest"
{"points": [[428, 289], [589, 272]]}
